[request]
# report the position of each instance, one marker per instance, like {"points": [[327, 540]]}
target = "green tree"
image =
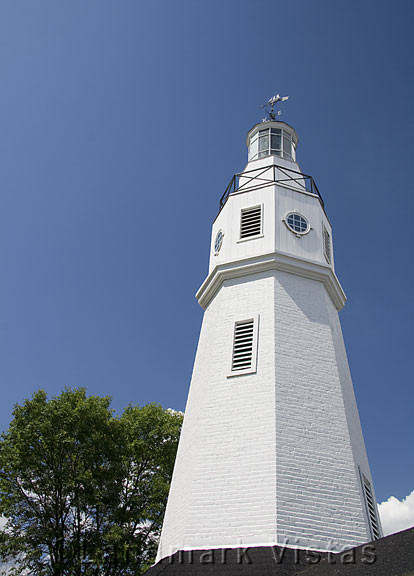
{"points": [[83, 490]]}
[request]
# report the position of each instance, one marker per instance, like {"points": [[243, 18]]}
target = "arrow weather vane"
{"points": [[270, 105]]}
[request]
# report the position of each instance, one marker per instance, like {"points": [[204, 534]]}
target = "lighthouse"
{"points": [[271, 451]]}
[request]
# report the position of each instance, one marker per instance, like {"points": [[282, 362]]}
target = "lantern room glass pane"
{"points": [[276, 142], [253, 149], [263, 143], [287, 147]]}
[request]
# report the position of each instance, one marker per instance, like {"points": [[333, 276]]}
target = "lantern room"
{"points": [[271, 138]]}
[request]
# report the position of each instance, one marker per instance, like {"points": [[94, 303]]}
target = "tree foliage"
{"points": [[84, 490]]}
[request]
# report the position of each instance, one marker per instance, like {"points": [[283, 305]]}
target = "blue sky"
{"points": [[122, 123]]}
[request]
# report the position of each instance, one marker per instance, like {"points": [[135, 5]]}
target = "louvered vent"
{"points": [[243, 345], [371, 508], [251, 222], [327, 245]]}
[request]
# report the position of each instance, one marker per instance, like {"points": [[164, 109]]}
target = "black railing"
{"points": [[267, 176]]}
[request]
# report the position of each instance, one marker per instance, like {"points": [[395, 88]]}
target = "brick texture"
{"points": [[270, 457]]}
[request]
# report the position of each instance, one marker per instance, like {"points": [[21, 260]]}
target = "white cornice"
{"points": [[273, 261]]}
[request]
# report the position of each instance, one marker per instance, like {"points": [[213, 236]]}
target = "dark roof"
{"points": [[255, 561], [389, 556], [393, 556]]}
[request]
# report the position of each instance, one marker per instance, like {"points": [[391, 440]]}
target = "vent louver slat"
{"points": [[243, 345], [371, 508], [251, 222], [327, 245]]}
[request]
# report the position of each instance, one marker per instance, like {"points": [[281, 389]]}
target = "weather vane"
{"points": [[270, 105]]}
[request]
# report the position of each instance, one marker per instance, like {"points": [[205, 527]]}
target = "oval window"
{"points": [[297, 223]]}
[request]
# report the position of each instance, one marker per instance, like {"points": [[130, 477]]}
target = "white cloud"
{"points": [[172, 411], [397, 515]]}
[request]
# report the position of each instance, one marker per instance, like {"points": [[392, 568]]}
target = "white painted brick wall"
{"points": [[351, 410], [318, 485], [269, 456], [224, 482]]}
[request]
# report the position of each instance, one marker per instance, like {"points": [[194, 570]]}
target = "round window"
{"points": [[218, 241], [297, 223]]}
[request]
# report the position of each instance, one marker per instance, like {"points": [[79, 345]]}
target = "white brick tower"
{"points": [[271, 451]]}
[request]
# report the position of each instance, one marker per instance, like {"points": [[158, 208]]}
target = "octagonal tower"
{"points": [[271, 451]]}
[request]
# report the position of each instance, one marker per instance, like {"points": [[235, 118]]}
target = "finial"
{"points": [[270, 105]]}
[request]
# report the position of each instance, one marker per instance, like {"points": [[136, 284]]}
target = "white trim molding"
{"points": [[273, 261]]}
